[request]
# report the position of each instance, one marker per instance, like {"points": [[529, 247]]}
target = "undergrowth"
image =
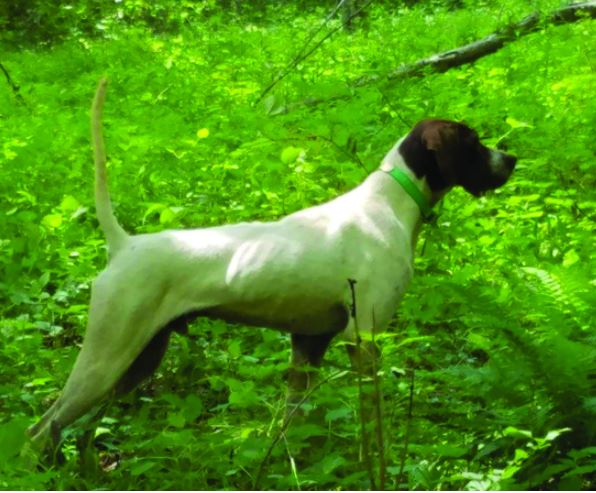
{"points": [[495, 333]]}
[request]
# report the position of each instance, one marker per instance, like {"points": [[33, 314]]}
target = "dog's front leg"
{"points": [[307, 355]]}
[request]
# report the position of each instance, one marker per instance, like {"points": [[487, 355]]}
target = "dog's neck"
{"points": [[387, 190], [394, 160], [412, 217]]}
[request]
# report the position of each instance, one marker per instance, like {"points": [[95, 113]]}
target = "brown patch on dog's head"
{"points": [[449, 153]]}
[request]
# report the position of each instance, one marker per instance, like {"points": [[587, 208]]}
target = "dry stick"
{"points": [[303, 56], [365, 438], [286, 423], [407, 435], [352, 156], [316, 31], [15, 88], [292, 464], [378, 413]]}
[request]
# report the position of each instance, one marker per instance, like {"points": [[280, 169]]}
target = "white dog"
{"points": [[296, 274]]}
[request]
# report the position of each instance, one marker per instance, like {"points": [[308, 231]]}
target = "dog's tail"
{"points": [[115, 234]]}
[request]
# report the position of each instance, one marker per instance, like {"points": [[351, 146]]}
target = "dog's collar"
{"points": [[413, 191]]}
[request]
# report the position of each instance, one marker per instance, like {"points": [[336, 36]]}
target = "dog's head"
{"points": [[448, 153]]}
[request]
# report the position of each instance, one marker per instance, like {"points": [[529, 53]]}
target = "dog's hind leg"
{"points": [[117, 333], [148, 361]]}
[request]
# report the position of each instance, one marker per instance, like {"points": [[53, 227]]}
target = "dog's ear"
{"points": [[442, 138]]}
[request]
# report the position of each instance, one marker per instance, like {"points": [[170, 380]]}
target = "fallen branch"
{"points": [[442, 62], [463, 55]]}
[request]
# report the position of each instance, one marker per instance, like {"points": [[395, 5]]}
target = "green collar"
{"points": [[412, 190]]}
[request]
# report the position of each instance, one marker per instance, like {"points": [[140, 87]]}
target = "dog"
{"points": [[303, 274]]}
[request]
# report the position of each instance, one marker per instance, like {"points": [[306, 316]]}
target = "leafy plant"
{"points": [[488, 373]]}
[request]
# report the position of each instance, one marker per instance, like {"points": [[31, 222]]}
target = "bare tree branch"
{"points": [[303, 54]]}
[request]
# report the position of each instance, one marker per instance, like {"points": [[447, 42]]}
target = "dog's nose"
{"points": [[510, 161]]}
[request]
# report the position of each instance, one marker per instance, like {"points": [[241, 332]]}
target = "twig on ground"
{"points": [[365, 437], [378, 414], [407, 433]]}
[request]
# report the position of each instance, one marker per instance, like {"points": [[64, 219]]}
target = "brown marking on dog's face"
{"points": [[448, 153]]}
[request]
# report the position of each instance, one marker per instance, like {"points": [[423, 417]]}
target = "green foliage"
{"points": [[497, 325]]}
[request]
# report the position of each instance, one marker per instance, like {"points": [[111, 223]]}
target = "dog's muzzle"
{"points": [[501, 164]]}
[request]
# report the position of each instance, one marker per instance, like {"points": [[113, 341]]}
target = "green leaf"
{"points": [[12, 437], [331, 462], [581, 470], [570, 258], [479, 341], [176, 420], [38, 382], [513, 123], [142, 467], [339, 414], [290, 154], [581, 453], [52, 221], [269, 103], [69, 204], [102, 430], [511, 431], [167, 215], [554, 434], [234, 348], [242, 394], [193, 407], [446, 450]]}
